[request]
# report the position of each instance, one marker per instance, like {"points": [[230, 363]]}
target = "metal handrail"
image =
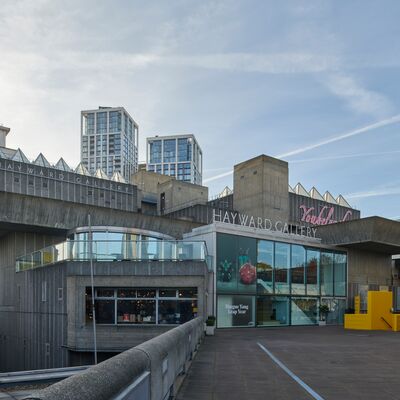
{"points": [[114, 250]]}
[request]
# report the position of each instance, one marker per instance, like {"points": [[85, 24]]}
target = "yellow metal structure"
{"points": [[378, 316], [357, 304]]}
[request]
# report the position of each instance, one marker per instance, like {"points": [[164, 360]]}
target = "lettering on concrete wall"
{"points": [[62, 176], [235, 218], [324, 217]]}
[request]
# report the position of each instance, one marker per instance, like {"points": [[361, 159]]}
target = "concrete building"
{"points": [[109, 141], [163, 253], [179, 156], [3, 134]]}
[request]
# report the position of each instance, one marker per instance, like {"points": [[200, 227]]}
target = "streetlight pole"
{"points": [[92, 284]]}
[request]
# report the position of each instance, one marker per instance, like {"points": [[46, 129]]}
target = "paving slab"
{"points": [[335, 363]]}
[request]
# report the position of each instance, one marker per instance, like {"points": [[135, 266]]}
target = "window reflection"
{"points": [[297, 270], [304, 311], [176, 312], [340, 274], [272, 311], [265, 261], [136, 311], [312, 272], [282, 265], [105, 311], [109, 245], [326, 273]]}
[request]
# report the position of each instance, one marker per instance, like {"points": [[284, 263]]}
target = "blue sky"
{"points": [[246, 77]]}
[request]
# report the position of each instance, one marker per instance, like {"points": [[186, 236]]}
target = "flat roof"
{"points": [[106, 109], [257, 233], [376, 234]]}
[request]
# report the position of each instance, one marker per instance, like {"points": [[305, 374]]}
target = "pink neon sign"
{"points": [[324, 217]]}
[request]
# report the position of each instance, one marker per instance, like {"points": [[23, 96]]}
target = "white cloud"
{"points": [[358, 98]]}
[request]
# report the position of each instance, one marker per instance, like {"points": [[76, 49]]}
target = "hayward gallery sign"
{"points": [[62, 176], [236, 218]]}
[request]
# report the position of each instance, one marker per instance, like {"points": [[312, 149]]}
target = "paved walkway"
{"points": [[334, 363]]}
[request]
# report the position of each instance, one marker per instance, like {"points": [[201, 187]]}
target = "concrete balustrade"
{"points": [[164, 356]]}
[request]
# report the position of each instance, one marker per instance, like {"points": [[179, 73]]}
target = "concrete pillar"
{"points": [[3, 133], [261, 188]]}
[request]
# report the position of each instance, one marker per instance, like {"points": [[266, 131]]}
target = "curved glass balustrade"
{"points": [[114, 250]]}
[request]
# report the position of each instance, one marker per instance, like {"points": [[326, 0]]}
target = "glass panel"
{"points": [[340, 274], [188, 293], [176, 311], [326, 274], [184, 146], [126, 293], [101, 120], [247, 257], [272, 311], [114, 121], [151, 249], [235, 311], [337, 308], [304, 311], [104, 292], [131, 247], [88, 304], [297, 270], [155, 151], [235, 269], [312, 268], [169, 150], [282, 264], [167, 293], [105, 311], [168, 250], [226, 263], [89, 123], [136, 312], [265, 261], [149, 293]]}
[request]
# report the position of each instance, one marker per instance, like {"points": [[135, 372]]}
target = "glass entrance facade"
{"points": [[273, 283]]}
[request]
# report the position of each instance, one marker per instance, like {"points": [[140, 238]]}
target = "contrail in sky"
{"points": [[373, 193], [379, 124], [382, 153], [355, 132]]}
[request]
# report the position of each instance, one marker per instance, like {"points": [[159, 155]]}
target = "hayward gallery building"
{"points": [[262, 255]]}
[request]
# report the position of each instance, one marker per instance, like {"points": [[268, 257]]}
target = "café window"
{"points": [[142, 306]]}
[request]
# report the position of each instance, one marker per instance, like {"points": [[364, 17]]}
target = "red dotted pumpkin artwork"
{"points": [[247, 271]]}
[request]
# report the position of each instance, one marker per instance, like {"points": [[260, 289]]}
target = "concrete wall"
{"points": [[179, 194], [42, 311], [32, 308], [37, 181], [26, 212], [366, 267], [148, 181], [261, 188], [118, 338], [367, 270]]}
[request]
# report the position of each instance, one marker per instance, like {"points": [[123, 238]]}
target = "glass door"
{"points": [[272, 311]]}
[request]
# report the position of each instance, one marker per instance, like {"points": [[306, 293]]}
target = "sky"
{"points": [[315, 83]]}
